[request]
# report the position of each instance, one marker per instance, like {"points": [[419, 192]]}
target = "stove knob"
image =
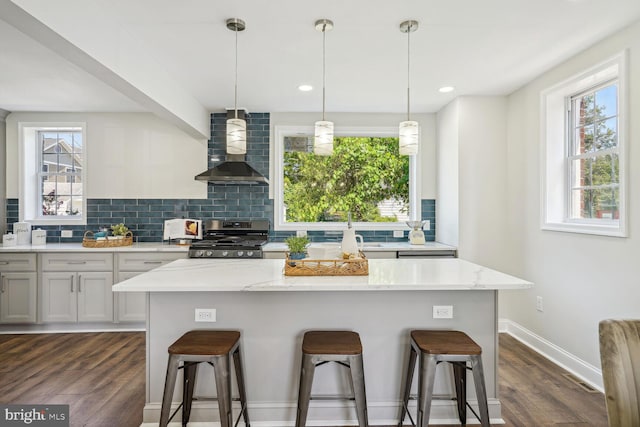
{"points": [[199, 253], [240, 253], [249, 253], [209, 253], [225, 253]]}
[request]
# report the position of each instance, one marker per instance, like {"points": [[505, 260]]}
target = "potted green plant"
{"points": [[297, 246], [119, 230]]}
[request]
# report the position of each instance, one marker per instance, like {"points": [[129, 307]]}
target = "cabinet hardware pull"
{"points": [[4, 262], [72, 284], [79, 283], [76, 262], [2, 278], [153, 262]]}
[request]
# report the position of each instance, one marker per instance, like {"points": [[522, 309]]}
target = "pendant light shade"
{"points": [[409, 131], [323, 136], [236, 128], [408, 141]]}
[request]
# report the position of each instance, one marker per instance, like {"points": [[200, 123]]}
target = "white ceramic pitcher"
{"points": [[350, 242]]}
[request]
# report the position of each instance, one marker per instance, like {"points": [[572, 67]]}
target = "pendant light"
{"points": [[236, 128], [408, 131], [323, 139]]}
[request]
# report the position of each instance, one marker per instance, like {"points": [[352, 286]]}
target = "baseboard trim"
{"points": [[592, 375], [321, 413]]}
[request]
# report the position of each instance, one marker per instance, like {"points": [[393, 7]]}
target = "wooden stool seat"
{"points": [[205, 343], [456, 348], [445, 342], [213, 347], [343, 348], [331, 342]]}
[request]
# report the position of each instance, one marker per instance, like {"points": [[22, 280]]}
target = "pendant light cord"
{"points": [[235, 93], [324, 35], [409, 73]]}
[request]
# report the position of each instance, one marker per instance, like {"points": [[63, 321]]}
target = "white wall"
{"points": [[472, 198], [447, 207], [3, 188], [427, 153], [582, 278], [129, 155]]}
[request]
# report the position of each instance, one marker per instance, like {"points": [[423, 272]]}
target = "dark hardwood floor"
{"points": [[101, 377]]}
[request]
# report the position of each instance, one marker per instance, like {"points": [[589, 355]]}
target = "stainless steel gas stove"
{"points": [[231, 239]]}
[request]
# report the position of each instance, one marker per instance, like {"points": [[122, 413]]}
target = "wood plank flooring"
{"points": [[101, 377]]}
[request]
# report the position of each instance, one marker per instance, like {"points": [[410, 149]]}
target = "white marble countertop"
{"points": [[216, 275], [77, 247], [375, 246]]}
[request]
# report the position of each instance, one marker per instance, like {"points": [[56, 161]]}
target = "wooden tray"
{"points": [[326, 267], [88, 241]]}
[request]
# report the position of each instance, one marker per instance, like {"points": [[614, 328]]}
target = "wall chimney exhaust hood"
{"points": [[235, 170]]}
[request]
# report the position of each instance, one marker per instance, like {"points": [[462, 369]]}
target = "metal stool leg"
{"points": [[223, 389], [169, 385], [239, 368], [481, 392], [356, 368], [189, 372], [460, 380], [411, 366], [426, 380], [304, 392]]}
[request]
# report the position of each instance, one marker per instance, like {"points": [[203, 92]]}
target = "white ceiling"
{"points": [[489, 47]]}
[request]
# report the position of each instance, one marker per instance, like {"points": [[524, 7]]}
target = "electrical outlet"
{"points": [[427, 225], [205, 314], [443, 312], [301, 233], [398, 233], [66, 233], [539, 305]]}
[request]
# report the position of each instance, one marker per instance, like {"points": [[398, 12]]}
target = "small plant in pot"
{"points": [[297, 246], [119, 230]]}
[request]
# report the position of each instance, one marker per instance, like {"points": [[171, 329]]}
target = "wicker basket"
{"points": [[88, 241], [327, 267]]}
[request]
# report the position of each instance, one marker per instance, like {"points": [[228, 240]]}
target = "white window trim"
{"points": [[554, 145], [415, 209], [30, 207]]}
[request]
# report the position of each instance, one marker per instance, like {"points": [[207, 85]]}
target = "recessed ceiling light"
{"points": [[446, 89], [305, 88]]}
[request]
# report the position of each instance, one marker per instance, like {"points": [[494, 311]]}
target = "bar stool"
{"points": [[342, 347], [214, 348], [456, 348]]}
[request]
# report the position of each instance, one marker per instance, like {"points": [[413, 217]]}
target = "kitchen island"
{"points": [[273, 311]]}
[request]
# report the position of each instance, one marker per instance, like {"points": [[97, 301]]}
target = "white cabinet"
{"points": [[131, 306], [18, 288], [76, 287]]}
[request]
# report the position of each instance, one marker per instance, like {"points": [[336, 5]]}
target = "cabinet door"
{"points": [[132, 306], [95, 298], [59, 302], [18, 297]]}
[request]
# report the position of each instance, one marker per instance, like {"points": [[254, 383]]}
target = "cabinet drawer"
{"points": [[77, 262], [145, 261], [17, 262]]}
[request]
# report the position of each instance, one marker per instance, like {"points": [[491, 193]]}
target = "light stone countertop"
{"points": [[216, 275], [77, 247], [375, 246]]}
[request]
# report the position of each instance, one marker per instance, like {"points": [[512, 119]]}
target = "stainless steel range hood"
{"points": [[235, 170]]}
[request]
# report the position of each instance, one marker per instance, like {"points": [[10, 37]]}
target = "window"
{"points": [[583, 145], [52, 187], [365, 177]]}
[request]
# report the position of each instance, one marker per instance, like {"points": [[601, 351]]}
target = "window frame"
{"points": [[279, 223], [556, 143], [30, 170]]}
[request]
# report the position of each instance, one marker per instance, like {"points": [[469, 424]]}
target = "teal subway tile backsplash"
{"points": [[145, 217]]}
